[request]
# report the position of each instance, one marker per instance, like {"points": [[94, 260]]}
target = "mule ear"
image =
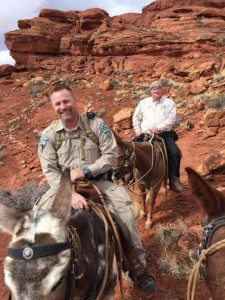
{"points": [[209, 199], [8, 219], [62, 202]]}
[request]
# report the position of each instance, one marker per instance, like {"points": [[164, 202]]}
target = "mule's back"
{"points": [[91, 268]]}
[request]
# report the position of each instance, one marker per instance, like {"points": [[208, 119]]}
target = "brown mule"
{"points": [[212, 204], [147, 163]]}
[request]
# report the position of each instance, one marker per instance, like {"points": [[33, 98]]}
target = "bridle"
{"points": [[127, 160], [209, 230], [35, 252], [206, 249]]}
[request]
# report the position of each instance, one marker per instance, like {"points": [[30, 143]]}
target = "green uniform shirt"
{"points": [[99, 159]]}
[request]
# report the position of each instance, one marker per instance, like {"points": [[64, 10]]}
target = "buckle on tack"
{"points": [[28, 253]]}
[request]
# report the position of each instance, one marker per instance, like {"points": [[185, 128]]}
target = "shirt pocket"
{"points": [[91, 150], [66, 153]]}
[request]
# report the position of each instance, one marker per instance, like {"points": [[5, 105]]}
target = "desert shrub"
{"points": [[125, 73], [128, 85], [23, 199], [135, 96], [68, 81], [170, 83], [220, 39], [169, 265], [170, 233], [40, 82], [2, 155], [115, 84], [217, 77], [217, 102], [34, 92]]}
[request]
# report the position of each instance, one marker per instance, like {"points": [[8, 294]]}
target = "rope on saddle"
{"points": [[115, 231], [162, 148], [163, 151], [100, 214], [195, 271]]}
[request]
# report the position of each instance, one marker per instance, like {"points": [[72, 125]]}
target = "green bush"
{"points": [[34, 92]]}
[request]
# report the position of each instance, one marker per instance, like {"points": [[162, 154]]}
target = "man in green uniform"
{"points": [[66, 144]]}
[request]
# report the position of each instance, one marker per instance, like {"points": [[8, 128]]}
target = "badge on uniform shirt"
{"points": [[43, 141], [105, 129]]}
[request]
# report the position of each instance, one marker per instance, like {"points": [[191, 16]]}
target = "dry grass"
{"points": [[171, 262], [170, 233], [170, 265]]}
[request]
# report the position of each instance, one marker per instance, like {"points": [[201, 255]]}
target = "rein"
{"points": [[205, 250], [119, 247], [106, 221]]}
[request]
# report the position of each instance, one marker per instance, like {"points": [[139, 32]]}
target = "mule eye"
{"points": [[57, 284]]}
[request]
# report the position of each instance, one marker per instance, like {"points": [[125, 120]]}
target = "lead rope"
{"points": [[194, 273], [119, 262]]}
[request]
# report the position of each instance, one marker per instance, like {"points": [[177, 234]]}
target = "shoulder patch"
{"points": [[105, 129], [43, 141]]}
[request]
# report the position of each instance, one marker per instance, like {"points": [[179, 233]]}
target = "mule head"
{"points": [[210, 200], [29, 274], [124, 168]]}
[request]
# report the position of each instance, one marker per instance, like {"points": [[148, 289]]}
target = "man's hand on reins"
{"points": [[78, 201], [154, 130], [76, 174]]}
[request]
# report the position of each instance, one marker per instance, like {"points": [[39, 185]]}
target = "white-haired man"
{"points": [[157, 115]]}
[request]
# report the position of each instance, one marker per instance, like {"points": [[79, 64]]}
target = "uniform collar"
{"points": [[59, 126]]}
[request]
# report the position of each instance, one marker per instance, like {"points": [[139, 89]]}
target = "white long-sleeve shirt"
{"points": [[149, 114]]}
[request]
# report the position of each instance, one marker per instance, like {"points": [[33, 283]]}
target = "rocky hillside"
{"points": [[109, 62]]}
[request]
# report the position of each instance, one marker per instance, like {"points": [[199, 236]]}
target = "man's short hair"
{"points": [[60, 87], [155, 84]]}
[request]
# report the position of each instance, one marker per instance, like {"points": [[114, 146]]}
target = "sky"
{"points": [[13, 10]]}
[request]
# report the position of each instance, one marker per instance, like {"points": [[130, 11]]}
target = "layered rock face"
{"points": [[182, 40]]}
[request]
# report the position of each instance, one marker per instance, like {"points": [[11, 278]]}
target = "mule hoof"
{"points": [[143, 215], [148, 225]]}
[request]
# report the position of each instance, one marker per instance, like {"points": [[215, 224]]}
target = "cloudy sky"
{"points": [[13, 10]]}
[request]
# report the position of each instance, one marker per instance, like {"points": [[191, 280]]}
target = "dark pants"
{"points": [[173, 152]]}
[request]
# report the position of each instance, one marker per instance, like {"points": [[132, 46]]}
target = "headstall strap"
{"points": [[34, 252], [209, 230]]}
